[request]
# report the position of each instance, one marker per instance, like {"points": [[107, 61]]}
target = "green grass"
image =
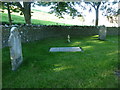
{"points": [[93, 68], [20, 20]]}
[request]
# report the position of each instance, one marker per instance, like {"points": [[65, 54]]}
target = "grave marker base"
{"points": [[65, 49]]}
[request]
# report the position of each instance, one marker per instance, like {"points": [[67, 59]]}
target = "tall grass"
{"points": [[20, 20]]}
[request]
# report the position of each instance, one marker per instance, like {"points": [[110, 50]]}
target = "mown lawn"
{"points": [[20, 20], [93, 68]]}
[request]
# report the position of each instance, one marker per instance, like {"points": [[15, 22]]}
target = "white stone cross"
{"points": [[68, 38]]}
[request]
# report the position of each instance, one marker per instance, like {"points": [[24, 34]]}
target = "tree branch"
{"points": [[93, 5], [19, 5], [98, 4]]}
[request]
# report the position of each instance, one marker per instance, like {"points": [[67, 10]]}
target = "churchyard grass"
{"points": [[20, 20], [93, 68]]}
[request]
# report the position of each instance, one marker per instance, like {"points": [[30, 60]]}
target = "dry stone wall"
{"points": [[37, 32]]}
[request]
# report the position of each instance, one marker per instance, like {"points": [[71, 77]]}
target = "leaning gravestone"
{"points": [[14, 43], [102, 32]]}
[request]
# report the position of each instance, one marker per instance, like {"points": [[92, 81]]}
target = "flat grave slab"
{"points": [[65, 49]]}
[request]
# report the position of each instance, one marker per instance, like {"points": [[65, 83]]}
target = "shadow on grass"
{"points": [[40, 68]]}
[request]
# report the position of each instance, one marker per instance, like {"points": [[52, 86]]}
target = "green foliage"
{"points": [[62, 8], [11, 6], [108, 10], [93, 68]]}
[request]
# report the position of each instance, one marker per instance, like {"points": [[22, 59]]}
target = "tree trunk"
{"points": [[9, 15], [27, 12], [97, 13]]}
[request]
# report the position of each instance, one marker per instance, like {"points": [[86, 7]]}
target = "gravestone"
{"points": [[102, 32], [65, 49], [14, 43]]}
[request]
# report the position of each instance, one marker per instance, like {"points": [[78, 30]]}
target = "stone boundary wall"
{"points": [[37, 32]]}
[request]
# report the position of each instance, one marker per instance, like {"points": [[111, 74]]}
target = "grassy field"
{"points": [[93, 68], [20, 20]]}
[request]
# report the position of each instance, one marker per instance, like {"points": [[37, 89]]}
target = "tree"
{"points": [[106, 7], [96, 6], [69, 7], [111, 12], [59, 8], [62, 8], [9, 15], [25, 9], [7, 4]]}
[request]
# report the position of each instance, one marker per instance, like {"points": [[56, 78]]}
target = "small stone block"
{"points": [[65, 49]]}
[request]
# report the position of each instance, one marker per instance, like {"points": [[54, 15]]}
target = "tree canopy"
{"points": [[62, 8], [25, 9]]}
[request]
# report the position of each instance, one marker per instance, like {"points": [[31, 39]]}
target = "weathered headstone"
{"points": [[14, 43], [102, 32]]}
